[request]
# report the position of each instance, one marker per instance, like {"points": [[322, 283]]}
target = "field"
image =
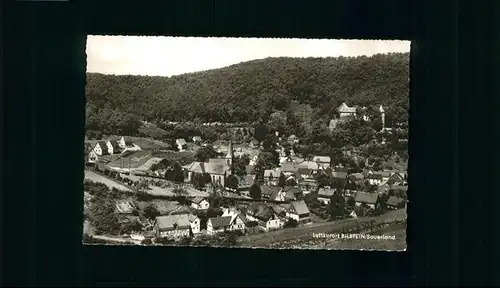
{"points": [[142, 160], [302, 237], [101, 179]]}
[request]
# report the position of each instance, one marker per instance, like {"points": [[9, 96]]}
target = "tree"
{"points": [[205, 153], [255, 191], [260, 132], [337, 204], [281, 180], [174, 171], [322, 179], [267, 160], [231, 182], [240, 164], [290, 224], [150, 212], [290, 182], [277, 122], [103, 218], [351, 201]]}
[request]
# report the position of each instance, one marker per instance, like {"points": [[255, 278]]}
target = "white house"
{"points": [[325, 194], [127, 145], [181, 144], [298, 211], [346, 111], [200, 203], [374, 179], [172, 226], [226, 223], [92, 157], [195, 224], [197, 139], [323, 161], [101, 148], [238, 220], [264, 216]]}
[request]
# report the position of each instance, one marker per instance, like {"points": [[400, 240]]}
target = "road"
{"points": [[113, 239], [305, 232]]}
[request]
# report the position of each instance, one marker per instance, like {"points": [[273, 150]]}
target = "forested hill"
{"points": [[250, 91]]}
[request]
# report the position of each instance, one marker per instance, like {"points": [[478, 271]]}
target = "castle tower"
{"points": [[382, 114]]}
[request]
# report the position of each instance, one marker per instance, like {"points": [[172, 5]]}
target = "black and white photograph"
{"points": [[272, 143]]}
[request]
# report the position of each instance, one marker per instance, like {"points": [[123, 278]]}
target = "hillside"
{"points": [[250, 91]]}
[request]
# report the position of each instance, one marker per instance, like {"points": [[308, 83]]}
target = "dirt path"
{"points": [[110, 183], [115, 239]]}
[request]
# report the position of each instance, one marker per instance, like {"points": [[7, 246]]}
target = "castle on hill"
{"points": [[346, 113]]}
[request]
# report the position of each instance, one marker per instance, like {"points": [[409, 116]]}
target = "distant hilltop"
{"points": [[253, 90]]}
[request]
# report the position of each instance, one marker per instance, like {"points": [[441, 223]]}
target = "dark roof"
{"points": [[341, 169], [365, 197], [374, 176], [114, 144], [260, 211], [294, 190], [268, 190], [218, 222], [245, 181], [103, 146], [394, 201], [399, 188], [304, 171], [197, 200]]}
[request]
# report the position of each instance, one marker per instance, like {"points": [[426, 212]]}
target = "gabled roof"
{"points": [[219, 222], [394, 201], [103, 146], [268, 190], [293, 189], [197, 167], [341, 175], [114, 144], [365, 197], [272, 172], [374, 176], [220, 161], [181, 141], [289, 167], [170, 222], [299, 207], [357, 176], [197, 200], [312, 165], [325, 193], [260, 211], [383, 173], [399, 188], [322, 159]]}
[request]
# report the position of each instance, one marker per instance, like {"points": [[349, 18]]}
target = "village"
{"points": [[162, 198]]}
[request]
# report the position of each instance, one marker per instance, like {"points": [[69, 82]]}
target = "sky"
{"points": [[167, 56]]}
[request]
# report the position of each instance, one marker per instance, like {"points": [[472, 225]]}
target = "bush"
{"points": [[146, 241], [292, 223]]}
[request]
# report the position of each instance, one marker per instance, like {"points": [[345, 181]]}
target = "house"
{"points": [[218, 224], [90, 157], [218, 172], [238, 220], [101, 148], [172, 226], [396, 179], [384, 174], [228, 222], [267, 191], [346, 111], [341, 169], [271, 176], [289, 168], [286, 159], [250, 169], [125, 143], [374, 179], [245, 182], [308, 185], [296, 191], [323, 161], [359, 211], [197, 139], [113, 147], [325, 194], [395, 202], [292, 139], [282, 195], [305, 173], [181, 144], [264, 216], [310, 165], [195, 224], [200, 203], [298, 211], [339, 179], [365, 198], [254, 144]]}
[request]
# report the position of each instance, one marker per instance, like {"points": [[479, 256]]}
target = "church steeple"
{"points": [[230, 155]]}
